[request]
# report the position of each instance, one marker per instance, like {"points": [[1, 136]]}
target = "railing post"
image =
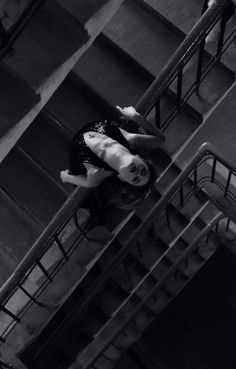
{"points": [[179, 89], [40, 265], [199, 66], [158, 113], [8, 312]]}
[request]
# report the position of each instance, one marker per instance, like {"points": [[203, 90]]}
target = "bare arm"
{"points": [[130, 113], [93, 178], [78, 180]]}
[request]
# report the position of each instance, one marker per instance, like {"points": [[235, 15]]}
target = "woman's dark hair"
{"points": [[124, 195]]}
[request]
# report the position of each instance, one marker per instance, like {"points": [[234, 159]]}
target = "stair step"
{"points": [[184, 14], [60, 358], [110, 297], [212, 88], [123, 85], [129, 273], [47, 143], [18, 233], [181, 127], [148, 250], [29, 186], [218, 80], [73, 341], [51, 38], [92, 320], [16, 98], [146, 37], [74, 104], [80, 12]]}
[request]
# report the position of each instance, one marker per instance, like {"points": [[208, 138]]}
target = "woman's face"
{"points": [[136, 173]]}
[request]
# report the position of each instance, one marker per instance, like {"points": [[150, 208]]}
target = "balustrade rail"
{"points": [[40, 265], [172, 81], [201, 174], [126, 328]]}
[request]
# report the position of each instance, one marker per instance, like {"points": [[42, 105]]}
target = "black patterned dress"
{"points": [[80, 153]]}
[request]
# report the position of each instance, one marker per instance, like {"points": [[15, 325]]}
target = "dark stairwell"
{"points": [[90, 93]]}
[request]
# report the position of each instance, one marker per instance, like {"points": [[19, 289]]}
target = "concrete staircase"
{"points": [[116, 70]]}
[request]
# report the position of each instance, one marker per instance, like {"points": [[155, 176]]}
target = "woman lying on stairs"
{"points": [[103, 152]]}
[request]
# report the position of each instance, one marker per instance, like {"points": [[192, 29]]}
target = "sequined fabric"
{"points": [[80, 153]]}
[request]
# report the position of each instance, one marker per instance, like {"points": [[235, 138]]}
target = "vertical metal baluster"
{"points": [[40, 265], [167, 214], [195, 177], [179, 89], [158, 113], [140, 253], [227, 225], [61, 248], [213, 170], [227, 183], [181, 196], [78, 226], [28, 294], [199, 66], [221, 37], [205, 6], [8, 312], [3, 32], [224, 19]]}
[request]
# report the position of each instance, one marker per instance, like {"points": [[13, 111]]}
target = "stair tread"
{"points": [[16, 99], [184, 14], [51, 40], [217, 82], [32, 189], [132, 26], [46, 143], [17, 236], [123, 85], [75, 106], [80, 12]]}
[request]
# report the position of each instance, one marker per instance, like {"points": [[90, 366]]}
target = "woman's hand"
{"points": [[96, 175], [64, 175], [128, 112]]}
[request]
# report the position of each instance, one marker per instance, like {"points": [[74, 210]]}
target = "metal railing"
{"points": [[201, 172], [9, 36], [37, 269], [51, 237], [115, 339], [171, 80]]}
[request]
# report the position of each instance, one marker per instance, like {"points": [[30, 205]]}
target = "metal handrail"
{"points": [[157, 88], [181, 56], [204, 151], [36, 250]]}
